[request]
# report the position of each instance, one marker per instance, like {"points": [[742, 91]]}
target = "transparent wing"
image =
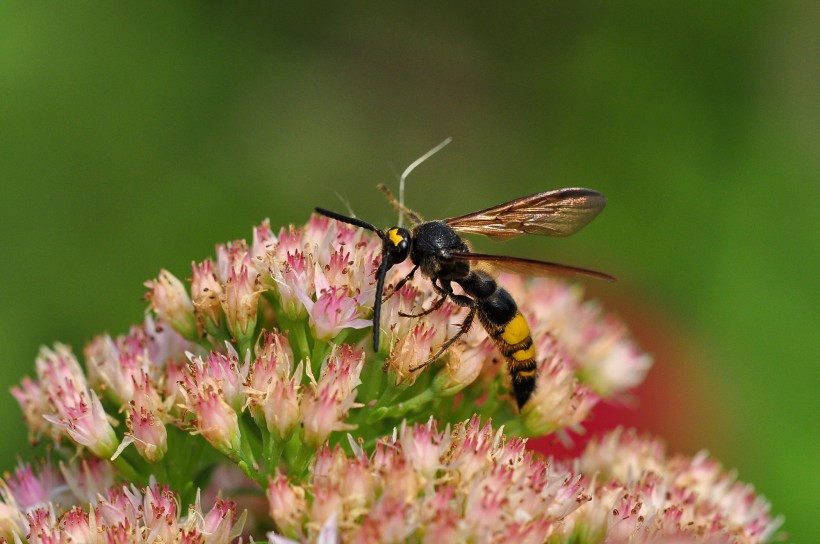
{"points": [[530, 267], [554, 213]]}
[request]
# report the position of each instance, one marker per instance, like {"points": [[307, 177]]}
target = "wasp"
{"points": [[437, 249]]}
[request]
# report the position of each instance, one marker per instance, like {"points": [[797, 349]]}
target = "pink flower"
{"points": [[559, 400], [34, 404], [406, 300], [463, 367], [240, 300], [147, 432], [278, 404], [28, 490], [327, 404], [84, 420], [423, 446], [112, 367], [127, 515], [334, 310], [290, 241], [273, 393], [78, 413], [230, 258], [78, 526], [215, 420], [221, 523], [287, 504], [263, 240], [410, 352], [160, 512], [223, 372], [200, 362], [291, 276], [169, 299], [206, 295], [88, 477]]}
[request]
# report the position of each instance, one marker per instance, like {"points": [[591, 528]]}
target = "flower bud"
{"points": [[559, 399], [287, 504], [462, 368], [206, 294], [239, 301], [171, 303]]}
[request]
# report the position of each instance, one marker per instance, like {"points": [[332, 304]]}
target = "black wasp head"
{"points": [[397, 244]]}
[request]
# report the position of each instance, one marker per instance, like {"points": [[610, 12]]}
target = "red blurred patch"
{"points": [[675, 402]]}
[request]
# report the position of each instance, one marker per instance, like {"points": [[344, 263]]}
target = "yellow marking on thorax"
{"points": [[394, 236], [516, 330], [524, 354]]}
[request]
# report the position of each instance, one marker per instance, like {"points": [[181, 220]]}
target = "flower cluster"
{"points": [[467, 485], [475, 485], [81, 504], [263, 364], [639, 494]]}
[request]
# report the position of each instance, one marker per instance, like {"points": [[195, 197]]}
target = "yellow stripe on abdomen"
{"points": [[524, 354], [516, 330]]}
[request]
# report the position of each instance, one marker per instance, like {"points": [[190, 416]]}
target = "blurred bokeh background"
{"points": [[134, 136]]}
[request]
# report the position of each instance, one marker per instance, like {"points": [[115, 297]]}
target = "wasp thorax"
{"points": [[397, 244]]}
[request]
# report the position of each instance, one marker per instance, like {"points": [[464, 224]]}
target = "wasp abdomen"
{"points": [[509, 330]]}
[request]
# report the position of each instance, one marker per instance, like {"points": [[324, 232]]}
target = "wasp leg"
{"points": [[465, 328], [446, 290], [414, 218], [445, 294], [401, 283], [430, 310]]}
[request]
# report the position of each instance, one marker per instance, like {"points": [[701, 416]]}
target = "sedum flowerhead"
{"points": [[117, 514], [263, 364], [474, 484]]}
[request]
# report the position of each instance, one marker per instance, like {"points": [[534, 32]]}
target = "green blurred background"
{"points": [[135, 136]]}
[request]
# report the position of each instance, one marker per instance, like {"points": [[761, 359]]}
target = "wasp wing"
{"points": [[530, 267], [554, 213]]}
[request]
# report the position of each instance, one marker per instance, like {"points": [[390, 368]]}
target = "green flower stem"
{"points": [[251, 470], [267, 448], [206, 342], [186, 462], [493, 403], [399, 410], [390, 393], [513, 427], [127, 470], [318, 354], [172, 476], [372, 382], [245, 346], [215, 336], [161, 471], [302, 460], [246, 455], [274, 447], [301, 339], [340, 338]]}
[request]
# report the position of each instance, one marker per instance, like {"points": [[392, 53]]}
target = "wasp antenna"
{"points": [[346, 204], [412, 167], [350, 220]]}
